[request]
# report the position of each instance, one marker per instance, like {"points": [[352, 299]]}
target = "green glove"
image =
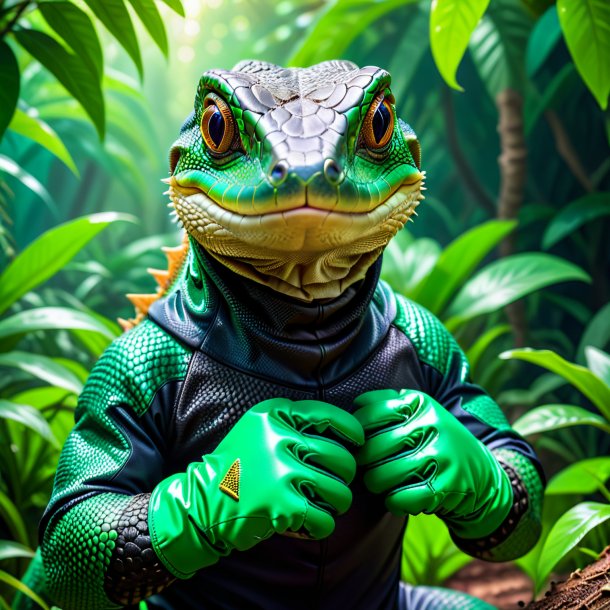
{"points": [[425, 460], [275, 471]]}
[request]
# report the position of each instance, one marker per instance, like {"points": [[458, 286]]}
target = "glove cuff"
{"points": [[480, 545], [182, 547]]}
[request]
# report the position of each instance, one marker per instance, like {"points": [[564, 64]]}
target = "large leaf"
{"points": [[51, 318], [554, 417], [69, 69], [44, 368], [115, 16], [149, 15], [574, 215], [175, 5], [30, 126], [580, 377], [29, 417], [584, 477], [457, 262], [585, 28], [451, 25], [9, 549], [567, 532], [542, 41], [478, 348], [76, 29], [9, 85], [507, 280], [351, 18], [49, 253], [498, 46], [596, 334], [17, 584], [429, 554], [599, 363], [11, 168]]}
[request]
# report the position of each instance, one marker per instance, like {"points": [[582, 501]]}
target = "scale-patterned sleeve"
{"points": [[446, 374], [94, 535]]}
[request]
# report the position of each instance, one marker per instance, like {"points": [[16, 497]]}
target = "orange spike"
{"points": [[160, 275], [142, 302], [125, 324]]}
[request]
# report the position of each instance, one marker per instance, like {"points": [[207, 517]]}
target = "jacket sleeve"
{"points": [[446, 375], [95, 544]]}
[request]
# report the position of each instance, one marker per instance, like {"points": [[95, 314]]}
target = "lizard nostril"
{"points": [[278, 173], [332, 171]]}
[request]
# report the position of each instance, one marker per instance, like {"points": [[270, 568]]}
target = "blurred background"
{"points": [[510, 248]]}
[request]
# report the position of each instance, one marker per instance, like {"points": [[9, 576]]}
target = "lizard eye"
{"points": [[217, 124], [378, 124]]}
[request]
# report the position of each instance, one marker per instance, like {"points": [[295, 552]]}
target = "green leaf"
{"points": [[451, 24], [51, 318], [497, 47], [567, 532], [17, 584], [351, 18], [149, 15], [542, 41], [479, 347], [584, 477], [596, 334], [11, 168], [599, 363], [575, 215], [9, 549], [69, 69], [44, 368], [76, 29], [13, 519], [29, 417], [176, 6], [9, 85], [580, 377], [115, 16], [585, 28], [49, 253], [562, 85], [429, 554], [457, 262], [30, 126], [555, 417], [507, 280], [407, 261], [41, 397]]}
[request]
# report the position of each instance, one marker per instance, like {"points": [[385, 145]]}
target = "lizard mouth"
{"points": [[299, 229]]}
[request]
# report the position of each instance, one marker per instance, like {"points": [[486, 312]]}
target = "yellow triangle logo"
{"points": [[230, 482]]}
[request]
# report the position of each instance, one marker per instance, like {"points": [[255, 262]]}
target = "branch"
{"points": [[21, 8]]}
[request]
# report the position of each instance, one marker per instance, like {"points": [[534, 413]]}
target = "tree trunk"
{"points": [[513, 175], [588, 588]]}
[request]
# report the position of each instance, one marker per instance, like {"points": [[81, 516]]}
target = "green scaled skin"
{"points": [[200, 452]]}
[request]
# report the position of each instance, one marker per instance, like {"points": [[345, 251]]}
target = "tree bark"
{"points": [[513, 175], [588, 588]]}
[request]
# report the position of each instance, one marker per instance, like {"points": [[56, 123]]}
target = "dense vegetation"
{"points": [[510, 247]]}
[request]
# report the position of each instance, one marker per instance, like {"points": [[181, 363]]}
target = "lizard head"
{"points": [[295, 177]]}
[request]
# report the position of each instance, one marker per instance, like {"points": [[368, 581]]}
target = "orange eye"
{"points": [[217, 124], [378, 124]]}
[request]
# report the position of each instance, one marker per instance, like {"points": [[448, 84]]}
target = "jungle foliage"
{"points": [[509, 99]]}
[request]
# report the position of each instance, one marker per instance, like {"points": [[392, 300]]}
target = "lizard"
{"points": [[275, 412]]}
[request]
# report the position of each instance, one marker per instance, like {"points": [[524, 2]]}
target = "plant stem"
{"points": [[21, 8]]}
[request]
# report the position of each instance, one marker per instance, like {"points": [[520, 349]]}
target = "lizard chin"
{"points": [[306, 253]]}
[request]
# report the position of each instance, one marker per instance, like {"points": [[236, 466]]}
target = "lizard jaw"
{"points": [[303, 229]]}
